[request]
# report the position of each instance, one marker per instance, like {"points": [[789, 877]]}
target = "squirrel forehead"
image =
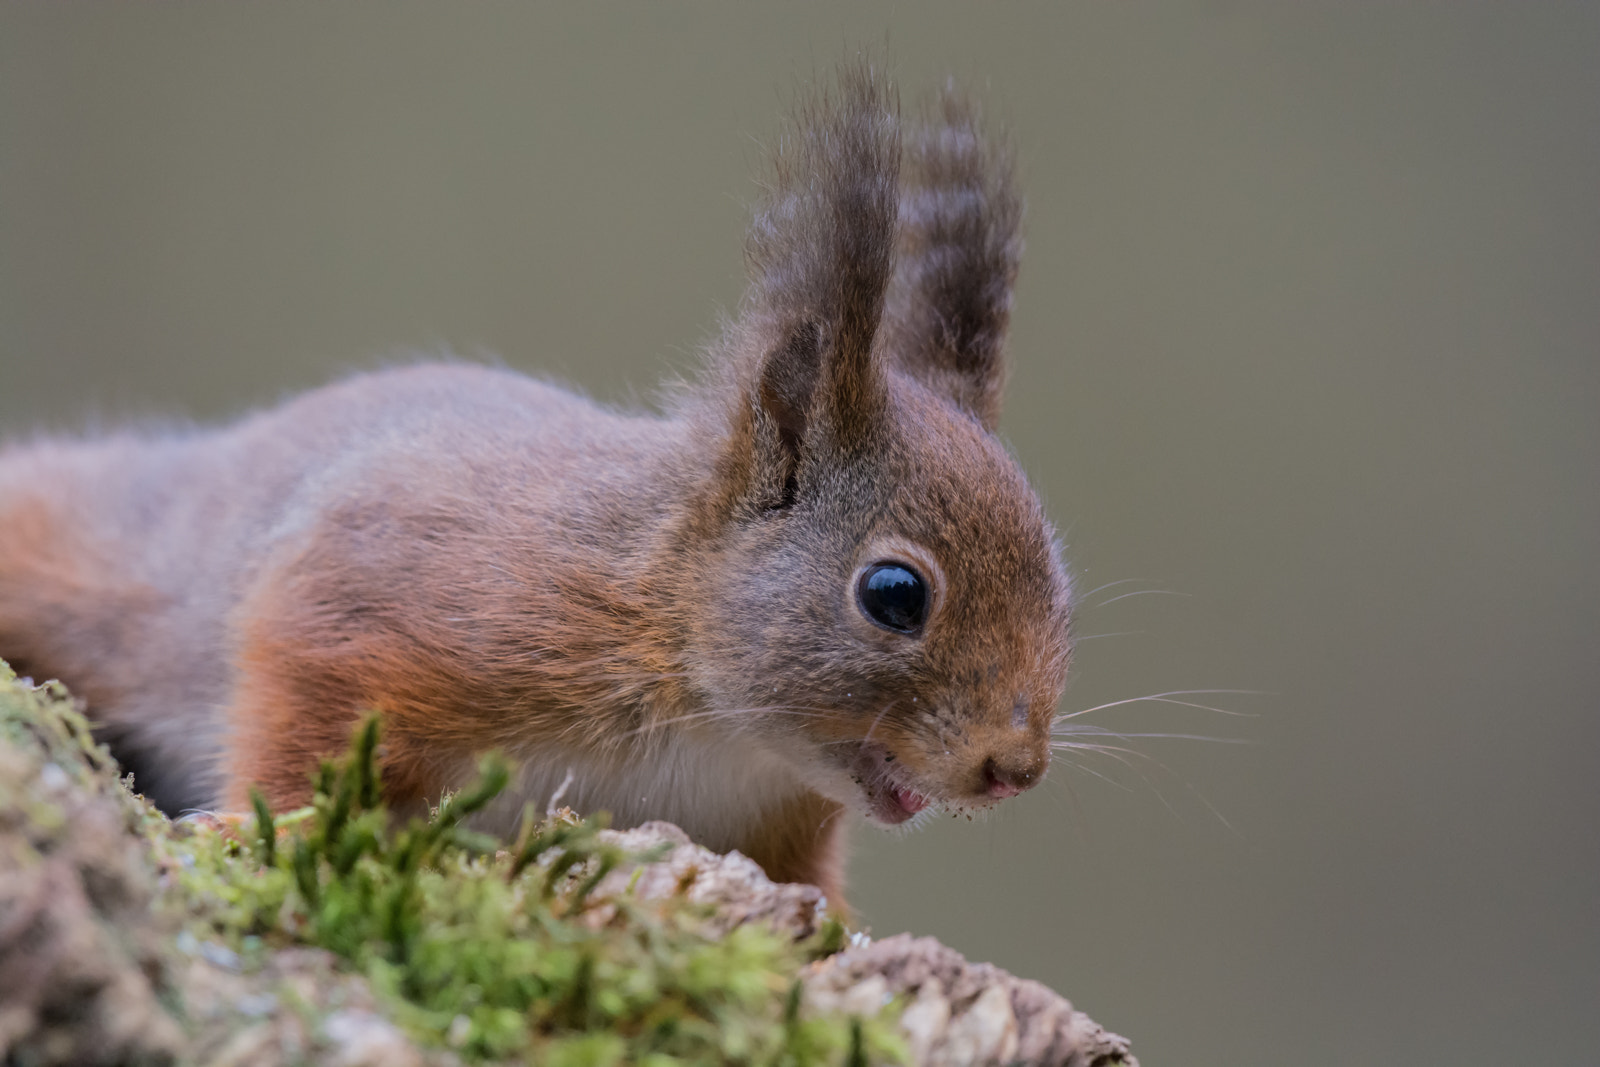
{"points": [[962, 491]]}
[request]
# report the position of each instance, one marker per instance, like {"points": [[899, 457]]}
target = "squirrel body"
{"points": [[814, 582]]}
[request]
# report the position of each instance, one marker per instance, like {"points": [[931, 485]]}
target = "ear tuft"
{"points": [[959, 248], [820, 253]]}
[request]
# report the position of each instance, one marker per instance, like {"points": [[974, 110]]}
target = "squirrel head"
{"points": [[875, 592]]}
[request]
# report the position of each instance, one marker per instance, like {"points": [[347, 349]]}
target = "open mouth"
{"points": [[889, 800]]}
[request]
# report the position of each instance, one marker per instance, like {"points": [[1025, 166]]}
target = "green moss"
{"points": [[496, 952], [502, 952], [44, 718]]}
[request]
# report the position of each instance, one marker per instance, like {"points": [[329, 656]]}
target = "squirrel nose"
{"points": [[1004, 779]]}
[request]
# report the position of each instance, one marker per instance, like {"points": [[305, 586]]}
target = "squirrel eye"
{"points": [[894, 596]]}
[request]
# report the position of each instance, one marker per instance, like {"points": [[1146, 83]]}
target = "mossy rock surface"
{"points": [[332, 935]]}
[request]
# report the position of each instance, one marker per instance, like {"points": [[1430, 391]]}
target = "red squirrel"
{"points": [[810, 582]]}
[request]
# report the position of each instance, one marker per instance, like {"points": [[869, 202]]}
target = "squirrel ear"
{"points": [[820, 252], [959, 246], [789, 384]]}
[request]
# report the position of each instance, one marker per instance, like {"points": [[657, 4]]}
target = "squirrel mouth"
{"points": [[888, 801]]}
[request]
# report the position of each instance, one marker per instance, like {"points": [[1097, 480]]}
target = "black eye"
{"points": [[894, 596]]}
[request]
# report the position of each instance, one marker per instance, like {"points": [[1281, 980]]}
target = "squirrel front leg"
{"points": [[803, 840]]}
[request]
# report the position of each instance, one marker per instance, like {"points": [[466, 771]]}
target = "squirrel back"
{"points": [[814, 582]]}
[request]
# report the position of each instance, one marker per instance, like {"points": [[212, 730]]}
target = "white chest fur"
{"points": [[715, 788]]}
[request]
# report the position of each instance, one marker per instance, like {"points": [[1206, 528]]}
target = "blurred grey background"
{"points": [[1308, 336]]}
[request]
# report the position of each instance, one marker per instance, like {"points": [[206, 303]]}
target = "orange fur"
{"points": [[804, 841], [67, 599]]}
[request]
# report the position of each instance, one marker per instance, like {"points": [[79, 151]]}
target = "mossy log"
{"points": [[331, 936]]}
